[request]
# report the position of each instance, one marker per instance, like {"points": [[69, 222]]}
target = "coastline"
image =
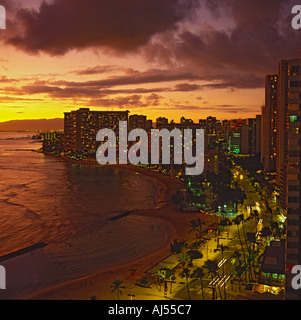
{"points": [[99, 283]]}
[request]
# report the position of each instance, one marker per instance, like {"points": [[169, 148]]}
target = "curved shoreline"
{"points": [[99, 282]]}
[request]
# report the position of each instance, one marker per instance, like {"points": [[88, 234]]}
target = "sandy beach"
{"points": [[98, 284]]}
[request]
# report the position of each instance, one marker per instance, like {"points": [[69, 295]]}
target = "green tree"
{"points": [[185, 258], [159, 274]]}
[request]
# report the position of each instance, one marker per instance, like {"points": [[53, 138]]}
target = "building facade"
{"points": [[291, 167], [82, 126], [269, 124]]}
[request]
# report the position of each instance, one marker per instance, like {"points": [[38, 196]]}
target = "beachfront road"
{"points": [[195, 287], [253, 200]]}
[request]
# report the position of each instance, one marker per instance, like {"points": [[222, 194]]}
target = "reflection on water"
{"points": [[43, 198]]}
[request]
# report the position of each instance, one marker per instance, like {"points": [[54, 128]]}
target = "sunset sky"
{"points": [[155, 57]]}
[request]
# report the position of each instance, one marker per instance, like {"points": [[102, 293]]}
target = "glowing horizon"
{"points": [[170, 59]]}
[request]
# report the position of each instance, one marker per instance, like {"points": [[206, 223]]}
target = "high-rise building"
{"points": [[235, 142], [211, 125], [252, 125], [291, 103], [226, 129], [212, 161], [149, 125], [203, 123], [137, 122], [269, 124], [161, 120], [258, 134], [82, 126], [283, 127], [183, 120], [211, 132], [244, 139], [288, 160]]}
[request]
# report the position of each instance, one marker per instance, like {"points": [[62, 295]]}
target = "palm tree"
{"points": [[237, 222], [195, 226], [177, 246], [186, 274], [222, 248], [199, 274], [117, 286], [251, 258], [251, 242], [212, 267], [269, 210], [254, 215], [254, 244], [266, 232], [93, 297], [275, 229], [225, 223], [243, 220], [236, 257]]}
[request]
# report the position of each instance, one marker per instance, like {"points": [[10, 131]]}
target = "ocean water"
{"points": [[68, 206]]}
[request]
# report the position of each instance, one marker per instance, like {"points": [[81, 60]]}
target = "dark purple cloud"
{"points": [[129, 101], [258, 37], [121, 25], [182, 35], [136, 77], [187, 87]]}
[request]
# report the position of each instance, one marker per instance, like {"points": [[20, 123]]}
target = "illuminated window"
{"points": [[293, 118]]}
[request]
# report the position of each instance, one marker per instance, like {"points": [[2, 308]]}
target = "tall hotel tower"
{"points": [[288, 161], [269, 124], [280, 152], [81, 127]]}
